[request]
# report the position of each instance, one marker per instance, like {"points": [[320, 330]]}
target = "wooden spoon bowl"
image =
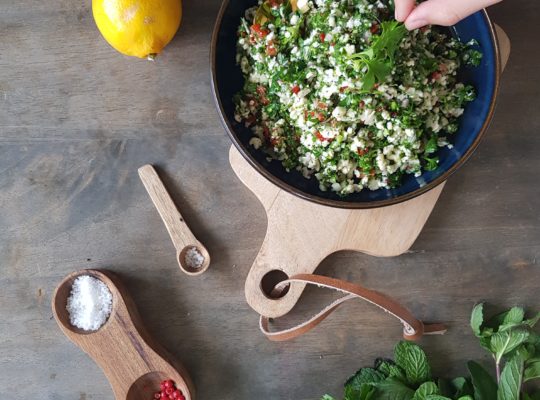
{"points": [[132, 361]]}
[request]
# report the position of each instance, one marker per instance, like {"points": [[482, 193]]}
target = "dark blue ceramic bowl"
{"points": [[227, 80]]}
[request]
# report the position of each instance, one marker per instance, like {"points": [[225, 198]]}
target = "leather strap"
{"points": [[413, 329]]}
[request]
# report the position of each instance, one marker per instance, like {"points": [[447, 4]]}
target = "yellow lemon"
{"points": [[140, 28]]}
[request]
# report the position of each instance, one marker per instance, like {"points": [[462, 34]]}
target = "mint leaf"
{"points": [[511, 379], [437, 397], [465, 398], [392, 389], [514, 316], [364, 375], [504, 342], [365, 392], [532, 371], [485, 387], [477, 319], [533, 321], [360, 385], [412, 359], [425, 390], [390, 369], [462, 387]]}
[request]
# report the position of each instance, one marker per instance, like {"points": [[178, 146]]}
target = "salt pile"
{"points": [[89, 303]]}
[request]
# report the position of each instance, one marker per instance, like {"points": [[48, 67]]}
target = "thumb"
{"points": [[403, 9], [444, 12]]}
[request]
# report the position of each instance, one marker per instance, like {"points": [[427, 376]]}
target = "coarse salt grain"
{"points": [[89, 303], [194, 258]]}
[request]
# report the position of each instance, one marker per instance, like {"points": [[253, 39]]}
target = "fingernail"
{"points": [[415, 23], [398, 16]]}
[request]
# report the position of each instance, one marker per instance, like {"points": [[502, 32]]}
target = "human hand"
{"points": [[437, 12]]}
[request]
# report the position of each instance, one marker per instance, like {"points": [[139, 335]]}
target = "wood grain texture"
{"points": [[181, 236], [76, 122], [134, 363], [301, 234]]}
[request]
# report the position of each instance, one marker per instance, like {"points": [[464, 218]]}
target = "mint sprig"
{"points": [[508, 336]]}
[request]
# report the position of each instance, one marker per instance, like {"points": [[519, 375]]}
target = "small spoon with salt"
{"points": [[191, 254]]}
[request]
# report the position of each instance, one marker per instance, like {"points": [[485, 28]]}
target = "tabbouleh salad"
{"points": [[339, 90]]}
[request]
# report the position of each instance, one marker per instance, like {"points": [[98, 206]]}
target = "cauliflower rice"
{"points": [[336, 89]]}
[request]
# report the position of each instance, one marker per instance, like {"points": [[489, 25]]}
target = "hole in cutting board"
{"points": [[269, 282]]}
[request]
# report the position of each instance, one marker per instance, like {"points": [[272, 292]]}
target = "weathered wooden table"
{"points": [[77, 120]]}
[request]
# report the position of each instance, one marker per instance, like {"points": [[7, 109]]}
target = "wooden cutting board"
{"points": [[301, 234]]}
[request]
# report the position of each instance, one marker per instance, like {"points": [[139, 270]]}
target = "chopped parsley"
{"points": [[338, 90]]}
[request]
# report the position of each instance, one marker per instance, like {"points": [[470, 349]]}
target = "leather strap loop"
{"points": [[413, 328]]}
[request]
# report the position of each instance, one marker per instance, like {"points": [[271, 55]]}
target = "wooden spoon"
{"points": [[132, 361], [181, 236]]}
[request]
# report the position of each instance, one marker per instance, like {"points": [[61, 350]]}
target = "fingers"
{"points": [[444, 12], [403, 9]]}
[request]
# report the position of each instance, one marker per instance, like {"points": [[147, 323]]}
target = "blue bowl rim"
{"points": [[344, 203]]}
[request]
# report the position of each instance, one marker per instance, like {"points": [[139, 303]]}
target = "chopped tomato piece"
{"points": [[274, 3], [320, 136], [361, 152], [271, 50], [374, 28], [322, 36], [256, 28], [295, 89]]}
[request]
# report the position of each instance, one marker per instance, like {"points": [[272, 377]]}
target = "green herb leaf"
{"points": [[485, 387], [511, 380], [437, 397], [425, 390], [364, 375], [504, 342], [532, 371], [378, 58], [431, 145], [390, 369], [360, 386], [364, 392], [477, 319], [465, 398], [392, 32], [514, 316], [412, 359], [431, 163], [533, 321], [462, 387], [392, 389]]}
